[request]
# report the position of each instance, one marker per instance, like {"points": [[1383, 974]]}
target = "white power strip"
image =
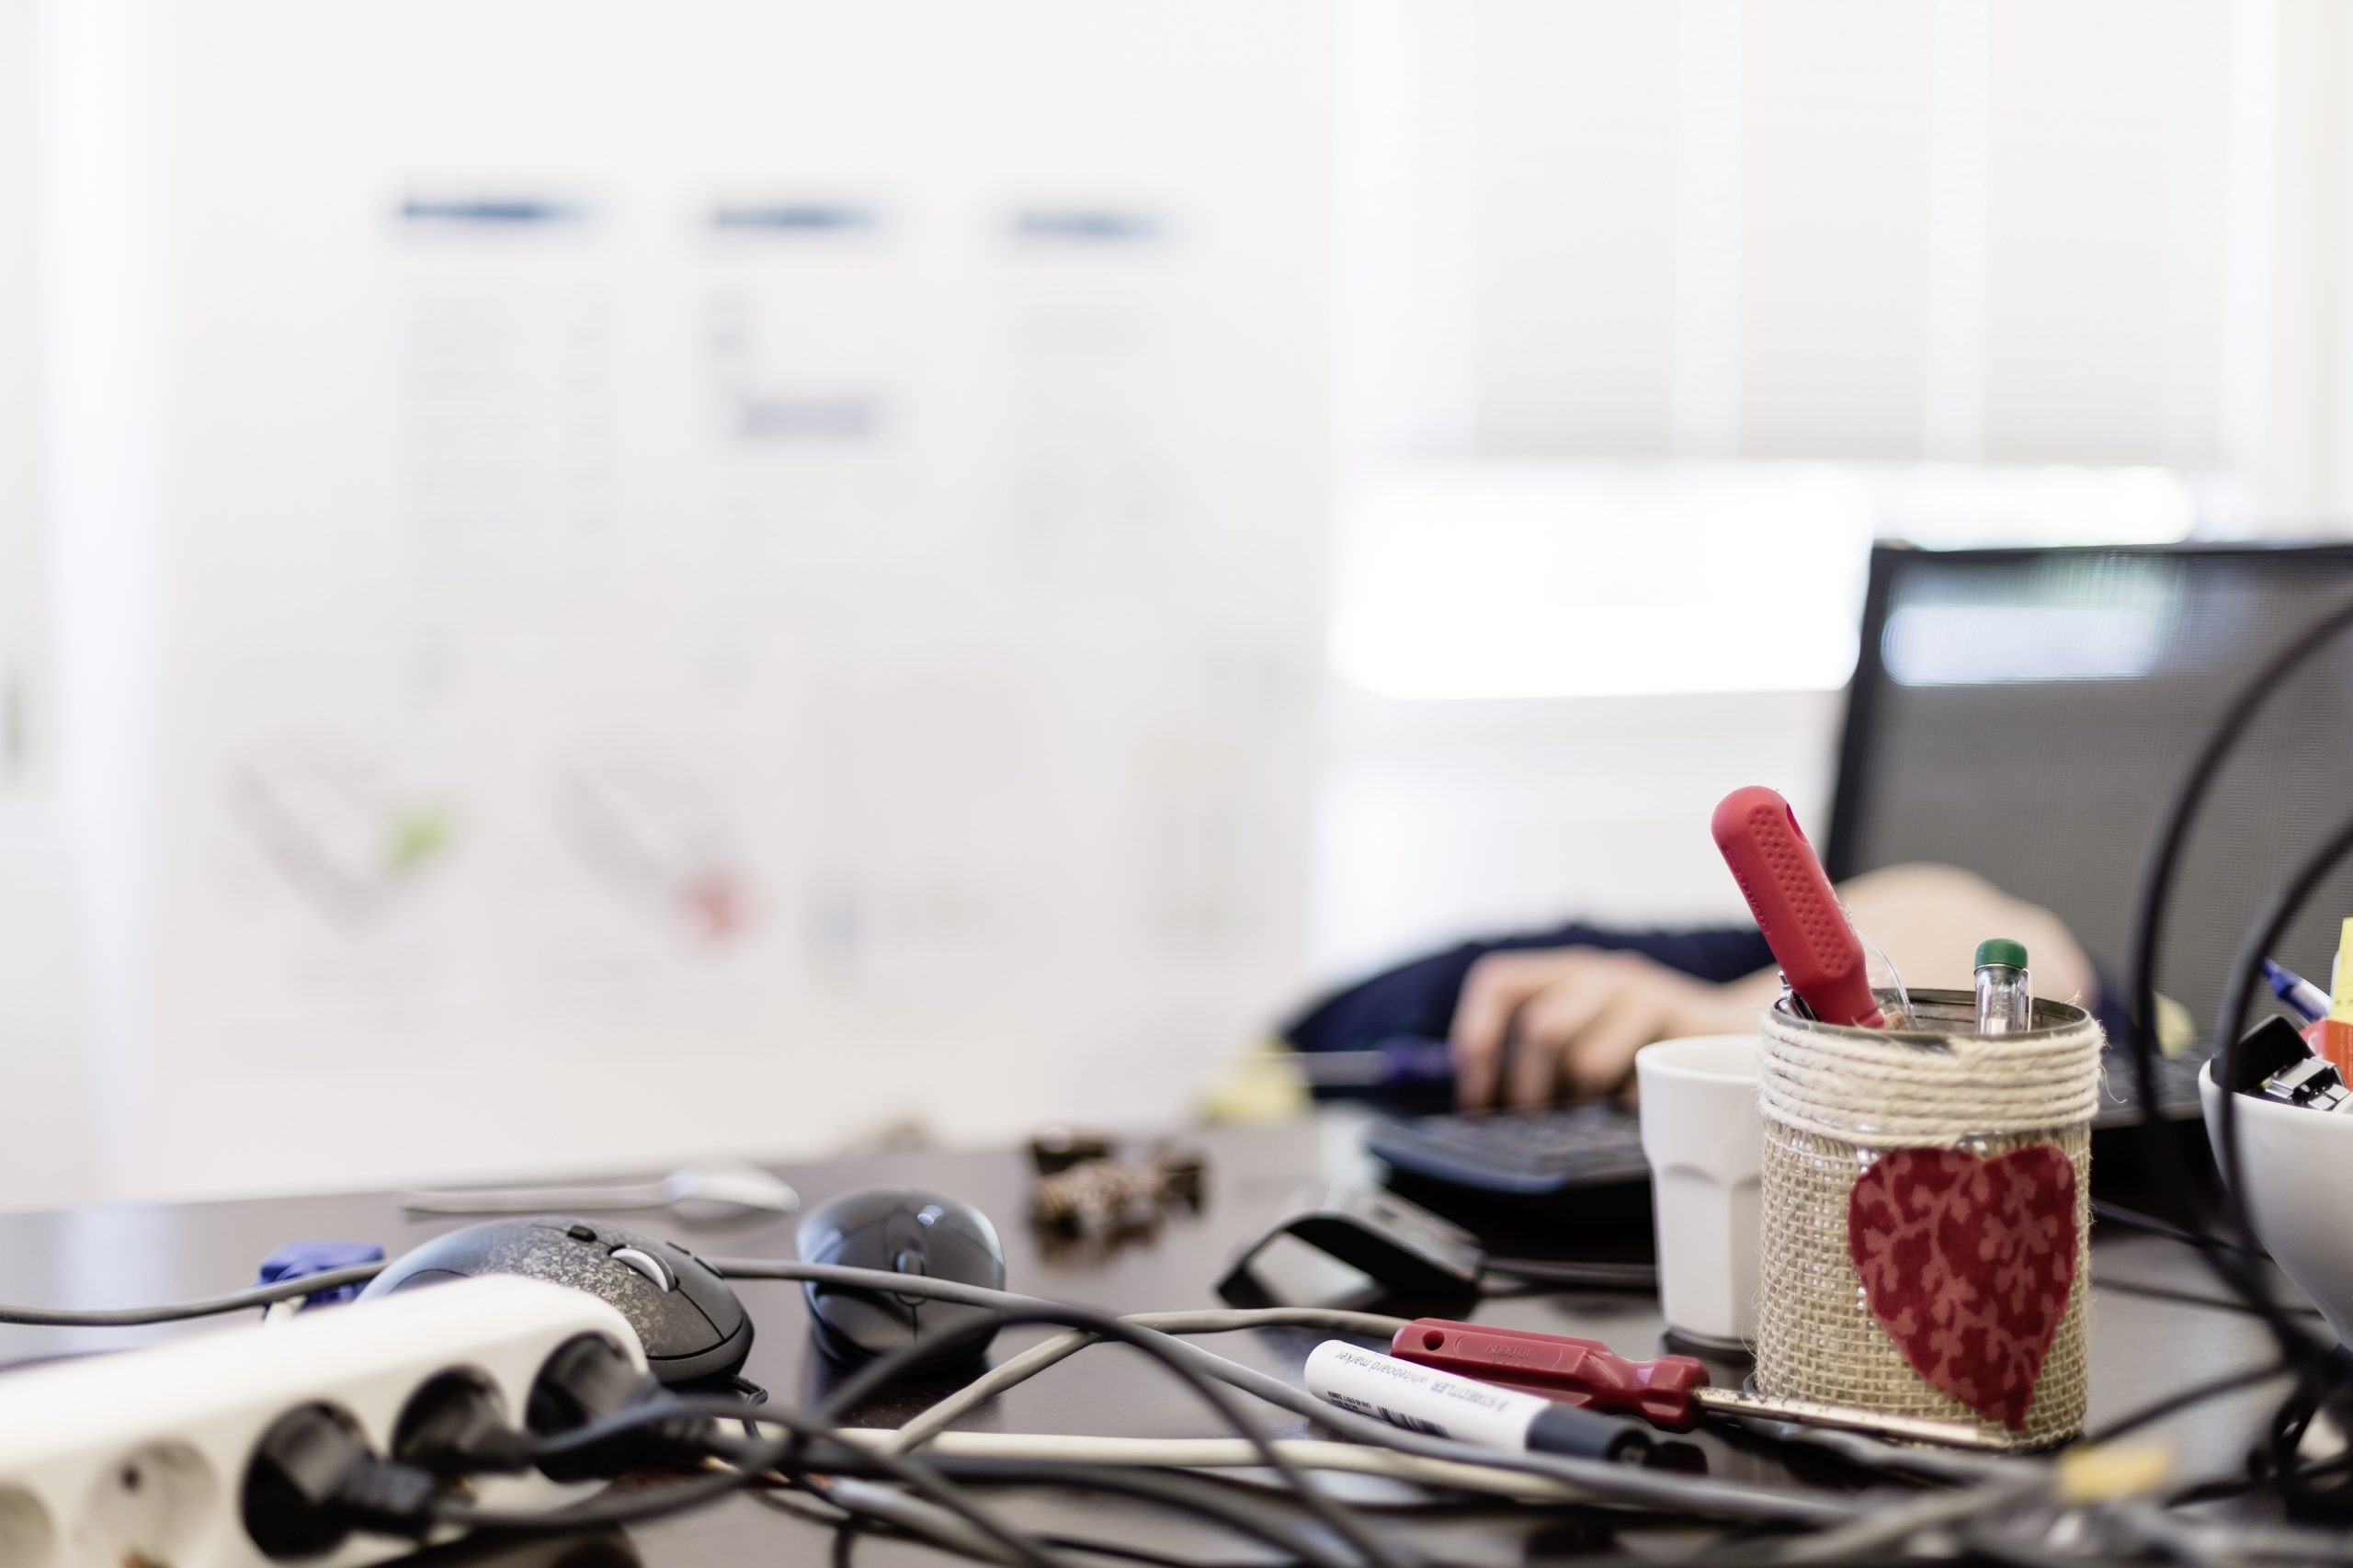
{"points": [[139, 1458]]}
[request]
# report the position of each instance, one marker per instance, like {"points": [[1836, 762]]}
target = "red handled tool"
{"points": [[1583, 1372], [1671, 1393], [1796, 908]]}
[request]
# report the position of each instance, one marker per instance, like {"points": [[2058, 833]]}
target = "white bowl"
{"points": [[2298, 1165]]}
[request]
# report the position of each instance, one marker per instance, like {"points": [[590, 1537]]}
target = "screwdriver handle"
{"points": [[1581, 1372], [1671, 1393], [1796, 908]]}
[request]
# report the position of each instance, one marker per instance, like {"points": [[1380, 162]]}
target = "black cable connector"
{"points": [[589, 1381], [456, 1426], [313, 1481], [591, 1415]]}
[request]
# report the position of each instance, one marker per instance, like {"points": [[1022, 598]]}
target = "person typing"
{"points": [[1537, 1018]]}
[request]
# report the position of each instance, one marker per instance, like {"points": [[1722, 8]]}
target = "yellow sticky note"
{"points": [[2099, 1472], [2340, 980]]}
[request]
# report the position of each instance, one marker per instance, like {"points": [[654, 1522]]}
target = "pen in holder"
{"points": [[1928, 1216]]}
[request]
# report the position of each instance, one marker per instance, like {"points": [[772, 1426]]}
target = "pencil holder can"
{"points": [[1926, 1198]]}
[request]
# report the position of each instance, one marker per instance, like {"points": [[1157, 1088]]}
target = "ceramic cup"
{"points": [[1704, 1142], [2296, 1164]]}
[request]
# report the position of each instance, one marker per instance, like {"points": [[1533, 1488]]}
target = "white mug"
{"points": [[1704, 1140]]}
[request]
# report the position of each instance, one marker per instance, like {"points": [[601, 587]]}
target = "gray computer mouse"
{"points": [[686, 1316], [901, 1230]]}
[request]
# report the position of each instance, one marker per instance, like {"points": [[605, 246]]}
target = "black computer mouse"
{"points": [[901, 1230], [686, 1317]]}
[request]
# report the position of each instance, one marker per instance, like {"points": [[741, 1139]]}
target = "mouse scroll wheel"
{"points": [[645, 1263], [909, 1260]]}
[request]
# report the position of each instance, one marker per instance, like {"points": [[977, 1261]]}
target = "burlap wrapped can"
{"points": [[1926, 1198]]}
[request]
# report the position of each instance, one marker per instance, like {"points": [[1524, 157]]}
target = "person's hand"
{"points": [[1573, 1018]]}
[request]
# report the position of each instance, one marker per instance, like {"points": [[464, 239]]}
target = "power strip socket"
{"points": [[141, 1458]]}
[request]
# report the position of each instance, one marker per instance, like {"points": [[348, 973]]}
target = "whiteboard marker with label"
{"points": [[1441, 1404]]}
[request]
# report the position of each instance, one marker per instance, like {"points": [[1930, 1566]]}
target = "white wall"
{"points": [[1966, 231], [19, 324], [45, 1121], [1436, 821], [1598, 259], [1973, 229], [387, 567], [493, 758]]}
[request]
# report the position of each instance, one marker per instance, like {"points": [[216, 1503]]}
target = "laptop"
{"points": [[2024, 713]]}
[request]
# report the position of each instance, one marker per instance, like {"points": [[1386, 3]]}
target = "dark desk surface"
{"points": [[2142, 1347]]}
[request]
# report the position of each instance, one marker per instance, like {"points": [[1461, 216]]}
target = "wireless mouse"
{"points": [[901, 1230], [688, 1319]]}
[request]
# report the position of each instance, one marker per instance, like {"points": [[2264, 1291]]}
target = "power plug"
{"points": [[178, 1456]]}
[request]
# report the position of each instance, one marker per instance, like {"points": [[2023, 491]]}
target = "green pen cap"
{"points": [[2001, 950]]}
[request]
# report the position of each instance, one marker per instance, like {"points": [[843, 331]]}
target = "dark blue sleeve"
{"points": [[2107, 1006], [1418, 998]]}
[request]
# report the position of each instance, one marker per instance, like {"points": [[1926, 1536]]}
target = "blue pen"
{"points": [[2308, 1000], [1399, 1062]]}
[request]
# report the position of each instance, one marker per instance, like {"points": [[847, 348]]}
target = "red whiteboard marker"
{"points": [[1795, 906]]}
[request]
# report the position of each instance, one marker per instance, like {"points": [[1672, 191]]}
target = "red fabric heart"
{"points": [[1968, 1263]]}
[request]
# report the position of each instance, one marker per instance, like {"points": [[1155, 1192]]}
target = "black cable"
{"points": [[1139, 1554], [2321, 1364], [2193, 1298], [2276, 1463], [2299, 1342], [748, 1460], [1224, 1500], [842, 1462], [2133, 1220], [760, 1464], [2197, 1394], [2150, 906], [1985, 1539], [752, 1457], [1581, 1276], [635, 1508], [1623, 1485], [1174, 1490], [850, 1516], [2239, 1486], [2149, 1224], [872, 1378], [204, 1307]]}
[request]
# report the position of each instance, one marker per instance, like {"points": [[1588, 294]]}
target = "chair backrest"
{"points": [[2026, 714]]}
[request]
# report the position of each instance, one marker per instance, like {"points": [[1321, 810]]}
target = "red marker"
{"points": [[1796, 908]]}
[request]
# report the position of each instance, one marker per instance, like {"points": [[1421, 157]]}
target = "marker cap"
{"points": [[2001, 950]]}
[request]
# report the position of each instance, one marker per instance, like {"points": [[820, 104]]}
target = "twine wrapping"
{"points": [[1834, 1100]]}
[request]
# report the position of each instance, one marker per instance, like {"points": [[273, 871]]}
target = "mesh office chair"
{"points": [[2026, 714]]}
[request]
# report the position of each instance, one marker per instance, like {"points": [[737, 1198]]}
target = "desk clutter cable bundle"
{"points": [[424, 1452], [426, 1412], [344, 1476]]}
